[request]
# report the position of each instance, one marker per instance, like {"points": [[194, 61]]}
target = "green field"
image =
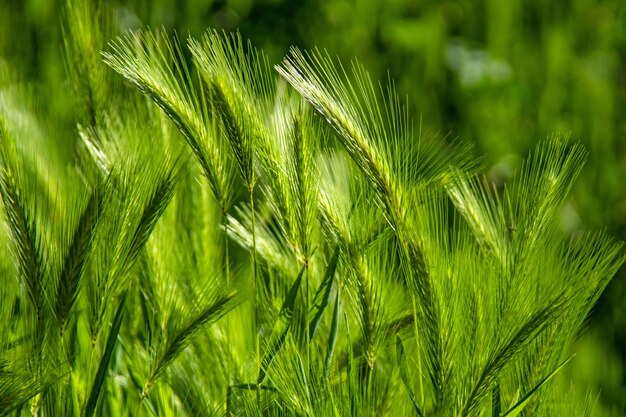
{"points": [[312, 208]]}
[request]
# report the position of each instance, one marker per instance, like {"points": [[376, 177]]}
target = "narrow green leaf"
{"points": [[320, 301], [106, 356], [404, 375], [516, 409], [332, 337], [281, 328], [496, 405]]}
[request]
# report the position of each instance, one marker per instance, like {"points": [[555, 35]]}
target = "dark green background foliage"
{"points": [[499, 74]]}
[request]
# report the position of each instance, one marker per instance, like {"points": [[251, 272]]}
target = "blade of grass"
{"points": [[518, 407], [404, 375], [496, 405], [332, 337], [280, 329], [320, 301], [98, 382]]}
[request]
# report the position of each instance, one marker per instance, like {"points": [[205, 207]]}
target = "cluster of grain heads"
{"points": [[232, 240]]}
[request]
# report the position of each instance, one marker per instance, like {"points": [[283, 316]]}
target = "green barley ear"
{"points": [[77, 255], [533, 264], [86, 28], [373, 125], [357, 125], [18, 388], [26, 239], [150, 189], [183, 323], [156, 65], [290, 173], [542, 186], [377, 135], [479, 204], [238, 79], [143, 178], [511, 349]]}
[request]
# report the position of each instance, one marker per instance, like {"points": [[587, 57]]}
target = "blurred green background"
{"points": [[503, 74]]}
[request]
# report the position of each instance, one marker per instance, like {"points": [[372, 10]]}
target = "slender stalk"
{"points": [[226, 263], [255, 318], [419, 355], [306, 309], [140, 403]]}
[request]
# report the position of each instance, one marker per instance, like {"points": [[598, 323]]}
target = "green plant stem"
{"points": [[255, 318], [226, 264], [419, 356], [306, 309], [140, 403]]}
